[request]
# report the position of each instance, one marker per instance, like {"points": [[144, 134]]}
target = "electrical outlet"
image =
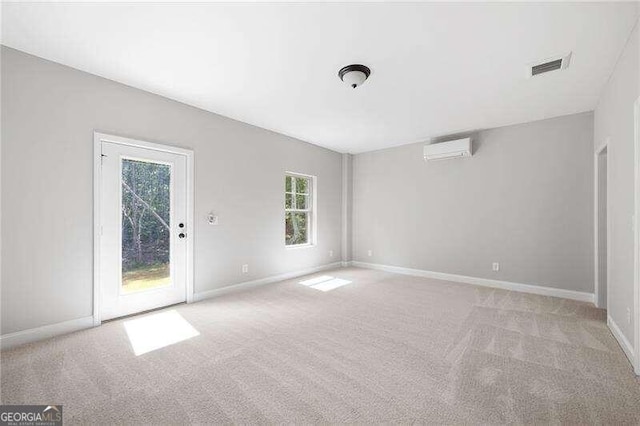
{"points": [[245, 269], [628, 315], [370, 253], [330, 253], [496, 266]]}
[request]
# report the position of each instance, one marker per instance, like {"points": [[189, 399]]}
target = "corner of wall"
{"points": [[347, 202], [614, 123]]}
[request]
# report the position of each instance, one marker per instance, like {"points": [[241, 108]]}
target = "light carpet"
{"points": [[382, 348]]}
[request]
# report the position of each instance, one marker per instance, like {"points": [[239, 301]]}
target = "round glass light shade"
{"points": [[354, 78]]}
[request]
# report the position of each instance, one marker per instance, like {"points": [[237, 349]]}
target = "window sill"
{"points": [[299, 246]]}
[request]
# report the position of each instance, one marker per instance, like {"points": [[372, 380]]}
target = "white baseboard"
{"points": [[31, 335], [347, 264], [486, 282], [622, 340], [11, 340], [202, 295]]}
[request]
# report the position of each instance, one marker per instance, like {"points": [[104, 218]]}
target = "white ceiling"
{"points": [[437, 68]]}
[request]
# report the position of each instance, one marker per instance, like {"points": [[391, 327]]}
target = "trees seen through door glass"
{"points": [[146, 216]]}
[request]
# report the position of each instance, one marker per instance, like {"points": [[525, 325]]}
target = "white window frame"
{"points": [[311, 210]]}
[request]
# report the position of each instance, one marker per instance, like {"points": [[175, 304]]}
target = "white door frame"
{"points": [[596, 223], [98, 138], [636, 237]]}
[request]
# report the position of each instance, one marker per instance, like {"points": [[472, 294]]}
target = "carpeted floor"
{"points": [[384, 348]]}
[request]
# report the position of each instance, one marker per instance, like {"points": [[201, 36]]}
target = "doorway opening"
{"points": [[601, 226], [143, 219]]}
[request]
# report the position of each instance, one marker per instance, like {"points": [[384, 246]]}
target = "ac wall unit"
{"points": [[445, 150]]}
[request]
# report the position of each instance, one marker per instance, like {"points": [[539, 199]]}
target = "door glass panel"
{"points": [[146, 236]]}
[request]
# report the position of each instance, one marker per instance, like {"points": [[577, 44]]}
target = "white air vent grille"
{"points": [[548, 65]]}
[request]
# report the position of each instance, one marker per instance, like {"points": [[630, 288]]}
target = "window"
{"points": [[298, 210]]}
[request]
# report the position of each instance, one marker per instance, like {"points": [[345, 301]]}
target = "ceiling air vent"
{"points": [[548, 65]]}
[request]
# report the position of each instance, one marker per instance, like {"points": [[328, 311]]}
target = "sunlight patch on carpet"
{"points": [[325, 283], [156, 331]]}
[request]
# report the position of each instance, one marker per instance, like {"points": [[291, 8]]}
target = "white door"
{"points": [[143, 242]]}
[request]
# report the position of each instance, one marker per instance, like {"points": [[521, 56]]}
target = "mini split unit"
{"points": [[446, 150]]}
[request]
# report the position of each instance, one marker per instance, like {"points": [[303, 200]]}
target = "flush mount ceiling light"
{"points": [[354, 75]]}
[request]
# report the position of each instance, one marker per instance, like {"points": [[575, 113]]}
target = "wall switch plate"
{"points": [[330, 253], [212, 218], [245, 269], [370, 253], [496, 266]]}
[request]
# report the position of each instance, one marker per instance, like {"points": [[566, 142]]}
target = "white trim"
{"points": [[30, 335], [627, 348], [39, 333], [202, 295], [97, 231], [191, 224], [103, 137], [485, 282], [347, 264], [636, 235], [300, 246], [596, 222], [602, 146], [98, 139]]}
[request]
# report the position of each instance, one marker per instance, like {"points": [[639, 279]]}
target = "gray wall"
{"points": [[49, 113], [614, 120], [347, 196], [525, 199]]}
